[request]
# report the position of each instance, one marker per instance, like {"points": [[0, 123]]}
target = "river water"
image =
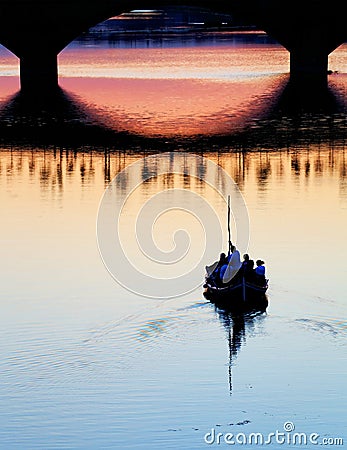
{"points": [[89, 362]]}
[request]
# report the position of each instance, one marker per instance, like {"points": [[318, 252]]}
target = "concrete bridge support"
{"points": [[39, 71], [309, 50], [308, 65]]}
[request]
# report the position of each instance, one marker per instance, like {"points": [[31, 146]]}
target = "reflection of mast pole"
{"points": [[235, 326], [230, 361]]}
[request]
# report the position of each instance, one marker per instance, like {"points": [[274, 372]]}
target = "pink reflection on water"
{"points": [[174, 107], [180, 91], [8, 87], [183, 91]]}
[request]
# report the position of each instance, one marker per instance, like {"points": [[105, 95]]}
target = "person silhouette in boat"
{"points": [[215, 269], [259, 272], [223, 260], [247, 267], [229, 271]]}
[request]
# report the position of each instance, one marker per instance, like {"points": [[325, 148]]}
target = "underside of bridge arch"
{"points": [[309, 29], [37, 30]]}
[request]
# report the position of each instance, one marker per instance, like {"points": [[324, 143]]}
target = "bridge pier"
{"points": [[39, 71], [309, 64]]}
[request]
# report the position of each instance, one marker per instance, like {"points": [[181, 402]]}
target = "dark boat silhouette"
{"points": [[243, 293], [239, 297]]}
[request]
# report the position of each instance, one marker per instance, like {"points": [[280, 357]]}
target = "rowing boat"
{"points": [[242, 296]]}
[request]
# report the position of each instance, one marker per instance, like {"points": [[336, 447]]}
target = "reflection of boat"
{"points": [[240, 297], [236, 327]]}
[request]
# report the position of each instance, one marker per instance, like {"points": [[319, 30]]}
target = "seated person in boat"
{"points": [[214, 271], [260, 272], [247, 267], [222, 263], [229, 271]]}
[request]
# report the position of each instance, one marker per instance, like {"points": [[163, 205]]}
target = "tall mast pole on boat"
{"points": [[229, 233]]}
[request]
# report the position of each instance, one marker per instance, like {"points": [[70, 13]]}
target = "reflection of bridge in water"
{"points": [[37, 31], [288, 117]]}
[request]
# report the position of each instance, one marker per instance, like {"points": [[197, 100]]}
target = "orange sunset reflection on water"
{"points": [[289, 195], [172, 107], [182, 91]]}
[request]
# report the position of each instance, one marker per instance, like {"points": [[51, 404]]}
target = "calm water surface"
{"points": [[85, 363]]}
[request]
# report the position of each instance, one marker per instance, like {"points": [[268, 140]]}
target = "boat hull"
{"points": [[243, 297]]}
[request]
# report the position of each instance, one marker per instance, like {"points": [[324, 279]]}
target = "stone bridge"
{"points": [[37, 30]]}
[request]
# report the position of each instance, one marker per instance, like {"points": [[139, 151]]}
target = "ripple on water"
{"points": [[39, 355], [45, 361], [144, 328], [336, 327]]}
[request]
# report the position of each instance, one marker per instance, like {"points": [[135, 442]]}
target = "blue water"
{"points": [[87, 364]]}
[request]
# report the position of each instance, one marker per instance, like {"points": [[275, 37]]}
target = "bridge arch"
{"points": [[37, 30]]}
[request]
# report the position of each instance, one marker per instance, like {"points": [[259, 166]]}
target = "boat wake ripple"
{"points": [[336, 327]]}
